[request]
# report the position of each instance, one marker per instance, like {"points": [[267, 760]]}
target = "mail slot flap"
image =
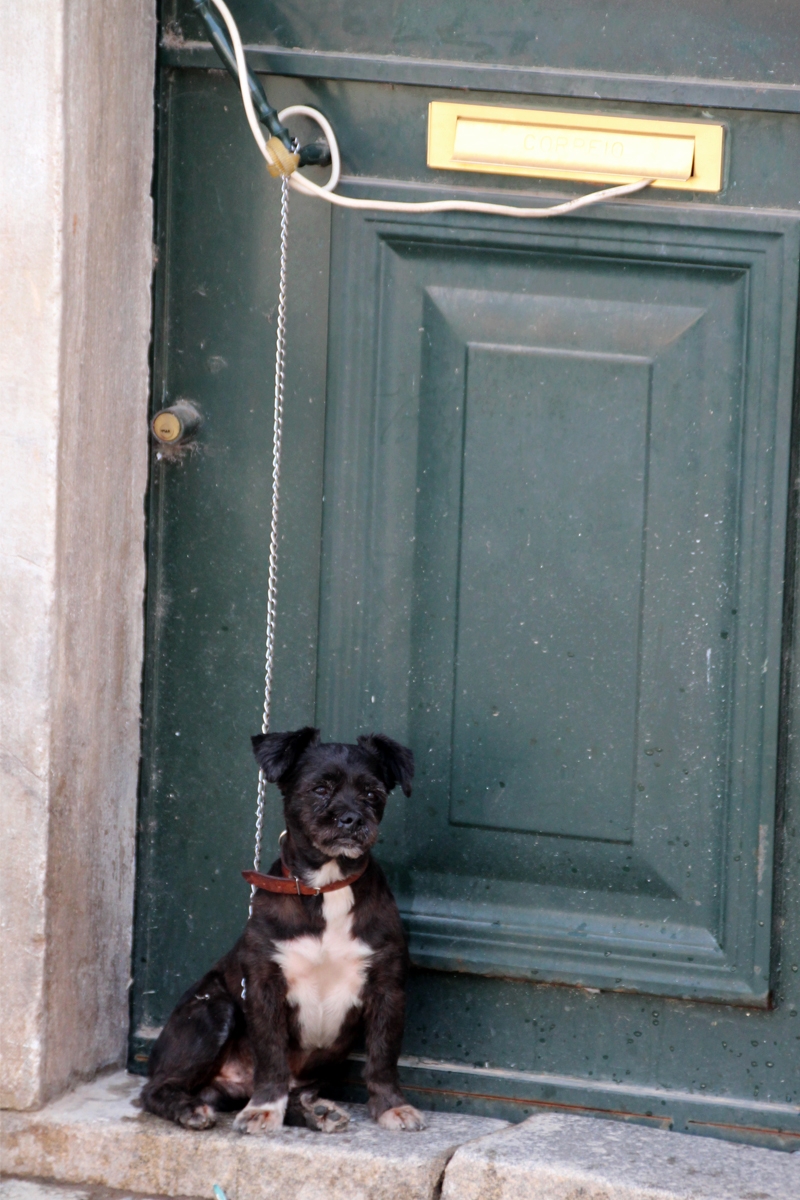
{"points": [[678, 154], [613, 152]]}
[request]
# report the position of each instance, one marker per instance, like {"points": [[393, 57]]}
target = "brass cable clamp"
{"points": [[282, 161]]}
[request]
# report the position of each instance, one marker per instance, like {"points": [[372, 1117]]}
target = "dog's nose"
{"points": [[349, 820]]}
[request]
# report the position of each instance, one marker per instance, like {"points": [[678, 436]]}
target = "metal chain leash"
{"points": [[272, 586]]}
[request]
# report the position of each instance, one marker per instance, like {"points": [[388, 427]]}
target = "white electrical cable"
{"points": [[300, 183], [296, 179]]}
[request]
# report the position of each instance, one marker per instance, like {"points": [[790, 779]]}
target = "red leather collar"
{"points": [[289, 884]]}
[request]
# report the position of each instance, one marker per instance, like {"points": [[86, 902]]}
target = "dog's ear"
{"points": [[396, 762], [277, 753]]}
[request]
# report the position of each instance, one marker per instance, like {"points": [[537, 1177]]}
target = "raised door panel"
{"points": [[555, 492]]}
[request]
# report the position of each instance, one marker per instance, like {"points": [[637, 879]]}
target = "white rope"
{"points": [[300, 183]]}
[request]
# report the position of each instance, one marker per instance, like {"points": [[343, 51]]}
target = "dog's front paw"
{"points": [[261, 1118], [403, 1116], [324, 1115], [202, 1117]]}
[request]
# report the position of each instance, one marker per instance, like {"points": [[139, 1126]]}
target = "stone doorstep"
{"points": [[559, 1157], [95, 1135], [97, 1139]]}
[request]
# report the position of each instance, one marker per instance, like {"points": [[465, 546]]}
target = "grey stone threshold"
{"points": [[95, 1139]]}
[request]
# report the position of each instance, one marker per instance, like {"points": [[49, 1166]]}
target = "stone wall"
{"points": [[76, 130]]}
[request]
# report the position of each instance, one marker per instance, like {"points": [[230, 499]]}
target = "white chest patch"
{"points": [[325, 975]]}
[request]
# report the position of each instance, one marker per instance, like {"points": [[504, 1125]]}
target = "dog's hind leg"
{"points": [[306, 1107], [169, 1100], [185, 1058]]}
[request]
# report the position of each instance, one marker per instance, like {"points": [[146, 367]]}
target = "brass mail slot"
{"points": [[557, 145]]}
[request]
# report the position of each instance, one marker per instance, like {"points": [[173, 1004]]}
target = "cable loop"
{"points": [[304, 110]]}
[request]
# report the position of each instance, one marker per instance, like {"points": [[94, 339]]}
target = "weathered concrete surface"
{"points": [[96, 1136], [556, 1157], [96, 1139], [76, 87]]}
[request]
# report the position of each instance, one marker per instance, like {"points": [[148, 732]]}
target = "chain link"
{"points": [[272, 586]]}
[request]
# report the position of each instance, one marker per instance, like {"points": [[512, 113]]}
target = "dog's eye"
{"points": [[370, 795], [320, 790]]}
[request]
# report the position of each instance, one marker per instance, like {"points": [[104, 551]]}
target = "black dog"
{"points": [[322, 958]]}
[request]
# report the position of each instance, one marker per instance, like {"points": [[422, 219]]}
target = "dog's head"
{"points": [[334, 794]]}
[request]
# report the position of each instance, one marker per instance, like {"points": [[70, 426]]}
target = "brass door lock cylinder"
{"points": [[176, 424]]}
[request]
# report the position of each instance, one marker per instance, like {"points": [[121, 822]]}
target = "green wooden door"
{"points": [[537, 523]]}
